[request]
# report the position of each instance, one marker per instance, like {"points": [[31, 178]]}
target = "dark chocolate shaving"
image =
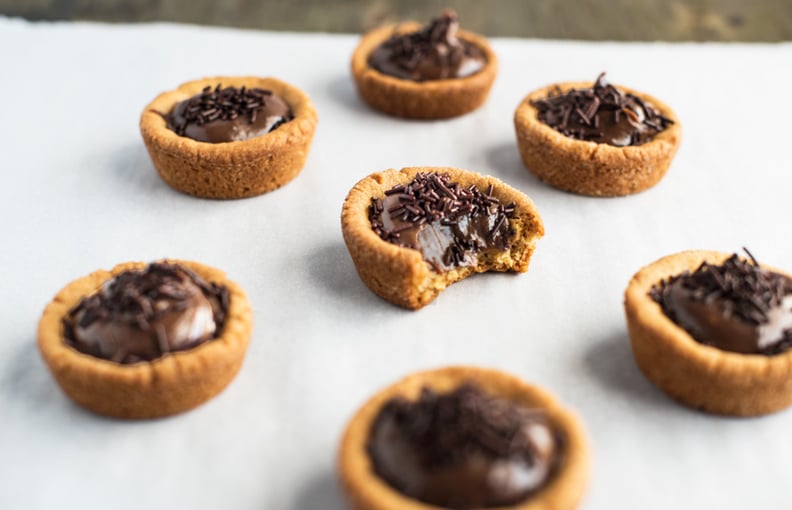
{"points": [[221, 104], [747, 291], [432, 198], [577, 114], [446, 428]]}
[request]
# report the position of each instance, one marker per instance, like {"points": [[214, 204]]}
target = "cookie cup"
{"points": [[167, 385], [433, 99], [590, 168], [698, 375], [366, 491], [401, 275], [233, 169]]}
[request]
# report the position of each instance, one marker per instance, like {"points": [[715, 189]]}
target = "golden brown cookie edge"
{"points": [[364, 490], [697, 375], [589, 168], [234, 169], [169, 385], [401, 275], [436, 99]]}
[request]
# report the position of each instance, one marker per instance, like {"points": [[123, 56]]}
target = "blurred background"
{"points": [[624, 20]]}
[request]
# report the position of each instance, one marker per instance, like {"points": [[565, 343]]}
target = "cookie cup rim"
{"points": [[366, 247], [366, 491], [573, 153], [700, 376], [409, 91], [228, 158], [149, 379]]}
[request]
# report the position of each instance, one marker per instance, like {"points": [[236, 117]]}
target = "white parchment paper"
{"points": [[79, 193]]}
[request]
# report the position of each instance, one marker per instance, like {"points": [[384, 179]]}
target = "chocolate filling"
{"points": [[140, 315], [736, 306], [601, 114], [432, 53], [228, 114], [450, 225], [464, 449]]}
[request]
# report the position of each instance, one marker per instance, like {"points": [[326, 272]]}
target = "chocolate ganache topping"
{"points": [[140, 315], [736, 306], [601, 114], [228, 114], [450, 225], [464, 449], [432, 53]]}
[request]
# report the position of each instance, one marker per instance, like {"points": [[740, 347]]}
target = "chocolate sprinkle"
{"points": [[222, 104], [748, 292], [446, 428], [435, 44], [131, 296], [432, 197], [576, 113]]}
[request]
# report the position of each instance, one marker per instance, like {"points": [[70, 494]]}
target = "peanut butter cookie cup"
{"points": [[714, 331], [229, 137], [144, 341], [596, 139], [432, 72], [461, 438], [415, 231]]}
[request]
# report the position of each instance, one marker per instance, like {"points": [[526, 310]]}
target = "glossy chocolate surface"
{"points": [[464, 449], [450, 225], [228, 114], [601, 114], [436, 239], [432, 53], [140, 315], [737, 306]]}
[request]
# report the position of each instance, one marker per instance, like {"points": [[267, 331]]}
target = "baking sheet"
{"points": [[79, 193]]}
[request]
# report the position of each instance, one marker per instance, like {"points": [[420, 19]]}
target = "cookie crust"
{"points": [[697, 375], [435, 99], [233, 169], [366, 491], [401, 275], [168, 385], [590, 168]]}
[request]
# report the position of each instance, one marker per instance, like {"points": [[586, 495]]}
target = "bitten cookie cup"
{"points": [[698, 375], [171, 384], [590, 168], [400, 275], [366, 491], [434, 99], [229, 170]]}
